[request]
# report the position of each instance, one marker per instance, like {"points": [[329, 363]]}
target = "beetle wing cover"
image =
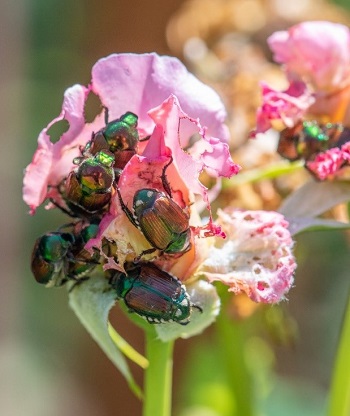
{"points": [[163, 223], [154, 293]]}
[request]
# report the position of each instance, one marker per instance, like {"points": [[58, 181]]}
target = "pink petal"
{"points": [[256, 258], [52, 161], [208, 153], [137, 83]]}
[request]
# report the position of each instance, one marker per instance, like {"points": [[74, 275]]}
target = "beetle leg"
{"points": [[127, 211], [197, 307], [77, 282], [64, 210], [106, 114], [143, 253]]}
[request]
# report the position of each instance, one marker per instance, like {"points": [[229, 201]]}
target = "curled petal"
{"points": [[317, 52], [208, 153], [288, 106], [256, 258]]}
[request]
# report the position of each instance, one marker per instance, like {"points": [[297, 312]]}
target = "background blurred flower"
{"points": [[316, 57], [317, 52], [282, 107]]}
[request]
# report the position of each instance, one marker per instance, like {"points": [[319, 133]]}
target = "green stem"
{"points": [[266, 172], [232, 339], [339, 404], [158, 376]]}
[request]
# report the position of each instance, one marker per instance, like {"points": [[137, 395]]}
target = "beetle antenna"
{"points": [[165, 182]]}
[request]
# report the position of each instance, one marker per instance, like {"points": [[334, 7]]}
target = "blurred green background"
{"points": [[48, 364]]}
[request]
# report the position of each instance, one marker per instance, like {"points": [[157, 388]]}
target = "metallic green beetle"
{"points": [[152, 293], [87, 189], [308, 138], [161, 220], [60, 256]]}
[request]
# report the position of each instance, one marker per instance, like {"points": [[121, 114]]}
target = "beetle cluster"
{"points": [[85, 194], [309, 138]]}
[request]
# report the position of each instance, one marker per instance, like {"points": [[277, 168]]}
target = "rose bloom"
{"points": [[316, 57], [316, 52], [182, 123]]}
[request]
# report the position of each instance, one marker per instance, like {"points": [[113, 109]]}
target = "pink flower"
{"points": [[316, 52], [256, 257], [169, 103], [128, 82], [288, 106]]}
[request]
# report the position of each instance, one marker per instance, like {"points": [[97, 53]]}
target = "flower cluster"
{"points": [[131, 181], [316, 59]]}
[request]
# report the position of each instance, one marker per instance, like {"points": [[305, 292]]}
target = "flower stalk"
{"points": [[158, 376], [339, 403]]}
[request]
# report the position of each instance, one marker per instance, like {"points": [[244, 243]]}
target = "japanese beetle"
{"points": [[60, 256], [87, 190], [152, 293], [161, 220], [119, 137], [308, 138], [48, 257]]}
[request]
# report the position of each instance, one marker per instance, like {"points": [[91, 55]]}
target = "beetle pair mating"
{"points": [[59, 256], [87, 190]]}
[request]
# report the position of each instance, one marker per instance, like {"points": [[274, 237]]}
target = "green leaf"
{"points": [[315, 198], [299, 225], [91, 301]]}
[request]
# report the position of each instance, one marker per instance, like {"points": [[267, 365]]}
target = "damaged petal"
{"points": [[52, 161], [208, 154], [256, 258]]}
